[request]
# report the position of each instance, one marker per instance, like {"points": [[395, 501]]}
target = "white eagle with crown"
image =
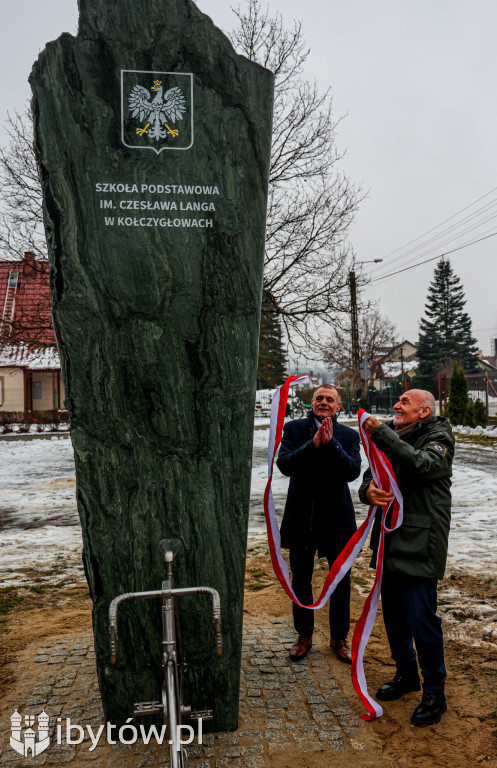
{"points": [[157, 111]]}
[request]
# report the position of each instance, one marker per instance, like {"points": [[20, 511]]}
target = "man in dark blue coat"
{"points": [[321, 457]]}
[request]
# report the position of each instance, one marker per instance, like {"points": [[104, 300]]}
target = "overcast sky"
{"points": [[416, 83]]}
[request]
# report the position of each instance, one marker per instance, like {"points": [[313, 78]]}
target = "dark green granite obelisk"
{"points": [[153, 139]]}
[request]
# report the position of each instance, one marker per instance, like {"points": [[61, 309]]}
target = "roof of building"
{"points": [[27, 337], [384, 351], [488, 361], [33, 359], [391, 370]]}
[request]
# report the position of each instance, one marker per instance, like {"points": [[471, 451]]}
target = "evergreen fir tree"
{"points": [[458, 397], [481, 415], [271, 365], [470, 415], [445, 335]]}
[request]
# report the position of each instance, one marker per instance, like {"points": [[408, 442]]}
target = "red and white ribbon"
{"points": [[385, 479]]}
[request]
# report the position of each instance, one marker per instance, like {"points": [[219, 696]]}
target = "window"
{"points": [[36, 390], [13, 277]]}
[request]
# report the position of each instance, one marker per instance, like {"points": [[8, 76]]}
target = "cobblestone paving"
{"points": [[283, 706]]}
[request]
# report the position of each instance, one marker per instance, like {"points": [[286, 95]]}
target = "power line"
{"points": [[435, 241], [401, 248], [450, 241], [439, 256]]}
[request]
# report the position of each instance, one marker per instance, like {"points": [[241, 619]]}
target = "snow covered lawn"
{"points": [[40, 536]]}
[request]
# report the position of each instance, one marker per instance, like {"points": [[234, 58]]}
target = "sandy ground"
{"points": [[467, 733], [466, 736]]}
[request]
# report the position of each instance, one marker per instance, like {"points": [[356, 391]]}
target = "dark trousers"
{"points": [[302, 566], [410, 613]]}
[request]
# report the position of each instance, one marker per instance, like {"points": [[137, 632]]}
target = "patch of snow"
{"points": [[394, 368], [490, 431], [261, 421], [24, 356], [40, 534]]}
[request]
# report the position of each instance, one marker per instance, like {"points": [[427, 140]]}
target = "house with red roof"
{"points": [[30, 377]]}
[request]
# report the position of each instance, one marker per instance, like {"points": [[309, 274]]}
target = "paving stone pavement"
{"points": [[283, 706]]}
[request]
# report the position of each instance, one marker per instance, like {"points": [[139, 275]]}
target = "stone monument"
{"points": [[153, 141]]}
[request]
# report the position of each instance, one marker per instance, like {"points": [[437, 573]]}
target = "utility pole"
{"points": [[354, 328], [354, 325]]}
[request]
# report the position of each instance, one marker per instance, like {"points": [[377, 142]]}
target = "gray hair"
{"points": [[329, 386]]}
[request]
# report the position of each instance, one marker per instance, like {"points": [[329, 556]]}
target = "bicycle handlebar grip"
{"points": [[218, 633], [113, 643], [113, 629]]}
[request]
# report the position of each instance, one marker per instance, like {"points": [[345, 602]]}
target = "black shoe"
{"points": [[430, 710], [398, 687]]}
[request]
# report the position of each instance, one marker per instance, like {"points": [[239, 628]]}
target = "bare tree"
{"points": [[21, 211], [375, 333], [22, 238], [311, 204]]}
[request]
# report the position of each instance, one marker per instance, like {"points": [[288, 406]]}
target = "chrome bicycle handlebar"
{"points": [[164, 594], [171, 704]]}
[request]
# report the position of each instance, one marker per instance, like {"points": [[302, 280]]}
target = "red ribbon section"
{"points": [[384, 478]]}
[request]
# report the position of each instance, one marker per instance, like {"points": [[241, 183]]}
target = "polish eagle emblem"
{"points": [[159, 111]]}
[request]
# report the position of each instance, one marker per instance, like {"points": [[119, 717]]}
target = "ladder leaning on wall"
{"points": [[9, 305]]}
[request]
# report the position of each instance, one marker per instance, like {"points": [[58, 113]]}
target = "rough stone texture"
{"points": [[157, 326]]}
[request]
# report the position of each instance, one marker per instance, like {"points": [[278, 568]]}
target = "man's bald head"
{"points": [[425, 398], [414, 405]]}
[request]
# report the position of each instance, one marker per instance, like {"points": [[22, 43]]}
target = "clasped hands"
{"points": [[323, 436], [324, 433]]}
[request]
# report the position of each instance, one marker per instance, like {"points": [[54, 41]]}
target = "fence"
{"points": [[480, 387], [296, 408]]}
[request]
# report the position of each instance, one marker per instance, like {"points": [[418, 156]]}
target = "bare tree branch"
{"points": [[311, 204], [375, 332], [21, 211]]}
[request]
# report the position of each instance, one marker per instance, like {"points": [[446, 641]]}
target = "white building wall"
{"points": [[12, 389]]}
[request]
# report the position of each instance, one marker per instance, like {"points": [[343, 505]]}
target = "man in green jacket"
{"points": [[420, 447]]}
